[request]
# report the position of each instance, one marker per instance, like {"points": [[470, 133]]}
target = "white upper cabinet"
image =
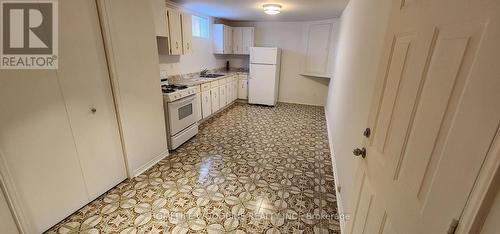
{"points": [[233, 40], [318, 50], [237, 41], [223, 39], [175, 31], [160, 18], [187, 33], [228, 40], [247, 39]]}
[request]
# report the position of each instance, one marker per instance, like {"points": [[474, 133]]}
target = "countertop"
{"points": [[193, 80]]}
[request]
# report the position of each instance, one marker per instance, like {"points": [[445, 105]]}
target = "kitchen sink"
{"points": [[211, 75]]}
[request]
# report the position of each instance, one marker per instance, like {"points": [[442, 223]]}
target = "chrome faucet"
{"points": [[203, 72]]}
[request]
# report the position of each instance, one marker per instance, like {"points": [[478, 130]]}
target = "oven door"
{"points": [[181, 114]]}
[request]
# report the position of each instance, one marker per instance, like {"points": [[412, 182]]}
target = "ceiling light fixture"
{"points": [[272, 9]]}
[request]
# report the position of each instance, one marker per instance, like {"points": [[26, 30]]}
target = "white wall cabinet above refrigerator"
{"points": [[243, 39], [232, 40]]}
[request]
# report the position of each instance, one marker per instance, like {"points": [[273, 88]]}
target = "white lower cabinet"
{"points": [[223, 96], [197, 106], [243, 89], [206, 104], [229, 89], [234, 88], [215, 99]]}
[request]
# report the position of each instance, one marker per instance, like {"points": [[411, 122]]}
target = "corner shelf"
{"points": [[316, 75]]}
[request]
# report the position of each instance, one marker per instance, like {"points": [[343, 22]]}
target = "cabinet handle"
{"points": [[93, 110], [177, 45], [188, 45]]}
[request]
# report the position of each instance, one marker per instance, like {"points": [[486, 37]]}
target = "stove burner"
{"points": [[172, 88]]}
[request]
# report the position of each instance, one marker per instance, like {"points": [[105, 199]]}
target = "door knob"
{"points": [[367, 132], [359, 152]]}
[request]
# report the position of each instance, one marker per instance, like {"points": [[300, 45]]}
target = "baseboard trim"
{"points": [[150, 164], [338, 195]]}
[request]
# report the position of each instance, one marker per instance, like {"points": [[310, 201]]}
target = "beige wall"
{"points": [[362, 29], [491, 224]]}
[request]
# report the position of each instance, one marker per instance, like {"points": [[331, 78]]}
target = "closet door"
{"points": [[86, 87], [58, 152]]}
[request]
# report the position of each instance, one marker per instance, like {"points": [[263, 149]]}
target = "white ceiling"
{"points": [[251, 10]]}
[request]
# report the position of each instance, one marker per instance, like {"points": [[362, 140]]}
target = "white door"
{"points": [[434, 116], [175, 31], [58, 130], [262, 84], [223, 96], [206, 105], [214, 93], [84, 76]]}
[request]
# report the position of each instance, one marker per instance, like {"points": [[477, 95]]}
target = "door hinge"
{"points": [[453, 226]]}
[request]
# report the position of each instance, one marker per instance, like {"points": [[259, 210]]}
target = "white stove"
{"points": [[176, 92], [179, 102]]}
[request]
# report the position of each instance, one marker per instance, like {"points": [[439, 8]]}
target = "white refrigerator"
{"points": [[263, 80]]}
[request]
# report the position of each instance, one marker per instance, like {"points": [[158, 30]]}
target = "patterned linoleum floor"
{"points": [[251, 169]]}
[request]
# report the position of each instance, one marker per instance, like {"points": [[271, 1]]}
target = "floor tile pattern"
{"points": [[251, 169]]}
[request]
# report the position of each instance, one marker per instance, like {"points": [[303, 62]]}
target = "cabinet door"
{"points": [[187, 33], [237, 41], [223, 96], [228, 40], [229, 89], [197, 107], [318, 49], [229, 94], [206, 104], [215, 99], [218, 38], [247, 39], [242, 89], [175, 30], [235, 90], [160, 18]]}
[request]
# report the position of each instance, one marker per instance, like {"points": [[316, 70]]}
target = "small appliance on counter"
{"points": [[263, 81], [179, 102]]}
